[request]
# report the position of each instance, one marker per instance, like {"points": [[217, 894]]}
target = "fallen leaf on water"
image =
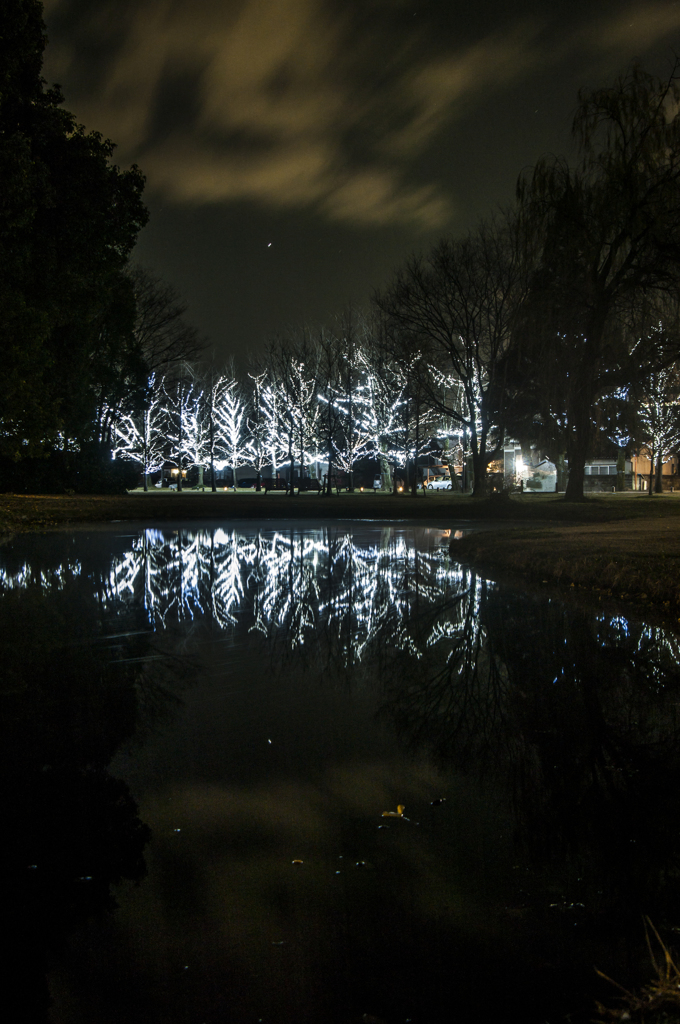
{"points": [[399, 813]]}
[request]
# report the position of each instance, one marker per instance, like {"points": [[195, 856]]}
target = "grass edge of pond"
{"points": [[638, 563]]}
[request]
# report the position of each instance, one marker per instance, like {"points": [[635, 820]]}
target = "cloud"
{"points": [[636, 28], [442, 87], [296, 103], [274, 101]]}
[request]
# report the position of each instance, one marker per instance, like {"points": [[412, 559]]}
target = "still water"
{"points": [[299, 774]]}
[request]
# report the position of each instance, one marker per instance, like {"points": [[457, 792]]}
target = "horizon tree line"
{"points": [[555, 322]]}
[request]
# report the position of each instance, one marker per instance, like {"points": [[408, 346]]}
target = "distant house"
{"points": [[538, 475], [601, 475], [670, 473], [539, 478], [532, 473]]}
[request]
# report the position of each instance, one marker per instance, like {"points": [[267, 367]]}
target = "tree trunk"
{"points": [[621, 470], [650, 482], [577, 465], [146, 454], [179, 446], [561, 474], [200, 478], [213, 484], [386, 480], [479, 475], [658, 482], [579, 415], [414, 486], [350, 436]]}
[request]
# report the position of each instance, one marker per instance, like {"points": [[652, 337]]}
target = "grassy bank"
{"points": [[30, 512], [634, 560]]}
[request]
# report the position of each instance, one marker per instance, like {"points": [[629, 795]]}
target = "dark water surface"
{"points": [[201, 729]]}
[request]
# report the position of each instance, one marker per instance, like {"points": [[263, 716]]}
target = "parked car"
{"points": [[442, 483], [248, 482]]}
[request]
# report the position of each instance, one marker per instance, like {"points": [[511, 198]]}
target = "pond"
{"points": [[298, 774]]}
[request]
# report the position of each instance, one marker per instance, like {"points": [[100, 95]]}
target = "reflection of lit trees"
{"points": [[284, 583]]}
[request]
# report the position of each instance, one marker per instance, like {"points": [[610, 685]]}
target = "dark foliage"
{"points": [[69, 219]]}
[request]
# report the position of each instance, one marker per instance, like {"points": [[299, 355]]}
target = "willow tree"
{"points": [[603, 301]]}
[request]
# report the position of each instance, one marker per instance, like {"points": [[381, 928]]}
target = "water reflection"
{"points": [[71, 830], [291, 583], [578, 713], [568, 717]]}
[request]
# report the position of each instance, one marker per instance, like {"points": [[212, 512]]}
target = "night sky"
{"points": [[296, 151]]}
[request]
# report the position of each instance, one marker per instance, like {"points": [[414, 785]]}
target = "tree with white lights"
{"points": [[351, 442], [294, 380], [230, 420], [180, 401], [274, 437], [380, 400], [262, 444], [142, 438], [196, 447], [659, 421]]}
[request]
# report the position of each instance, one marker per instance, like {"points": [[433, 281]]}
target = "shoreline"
{"points": [[624, 546], [637, 562]]}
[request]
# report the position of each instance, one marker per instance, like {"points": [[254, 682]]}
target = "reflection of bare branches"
{"points": [[455, 701], [577, 714], [595, 776]]}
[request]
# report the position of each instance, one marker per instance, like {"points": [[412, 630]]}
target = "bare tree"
{"points": [[165, 336], [460, 303]]}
